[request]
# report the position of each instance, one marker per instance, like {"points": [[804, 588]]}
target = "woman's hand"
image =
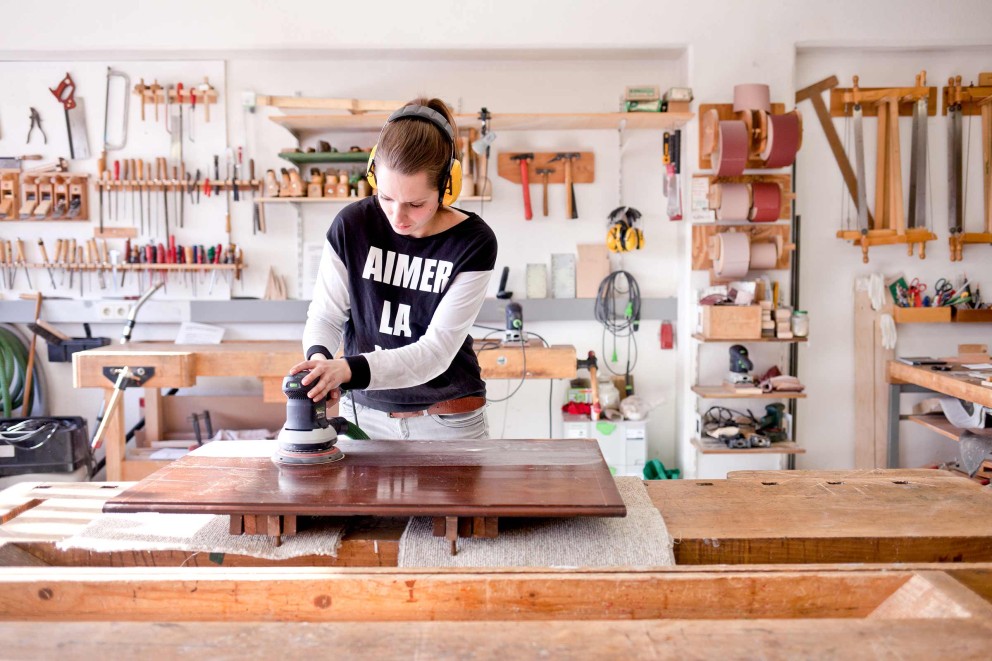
{"points": [[328, 375]]}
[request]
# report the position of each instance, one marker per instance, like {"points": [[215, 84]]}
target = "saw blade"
{"points": [[859, 159], [918, 166], [79, 142], [954, 171]]}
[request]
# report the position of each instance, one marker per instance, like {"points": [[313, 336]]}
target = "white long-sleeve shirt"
{"points": [[403, 307]]}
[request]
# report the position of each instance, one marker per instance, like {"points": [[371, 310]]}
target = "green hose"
{"points": [[355, 433], [13, 371]]}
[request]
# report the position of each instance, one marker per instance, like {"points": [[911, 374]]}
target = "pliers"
{"points": [[36, 121]]}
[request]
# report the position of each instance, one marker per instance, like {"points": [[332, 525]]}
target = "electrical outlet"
{"points": [[112, 311]]}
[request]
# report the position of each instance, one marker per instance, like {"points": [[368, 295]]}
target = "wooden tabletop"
{"points": [[955, 383], [488, 478]]}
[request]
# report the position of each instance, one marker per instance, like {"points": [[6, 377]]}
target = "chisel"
{"points": [[48, 265]]}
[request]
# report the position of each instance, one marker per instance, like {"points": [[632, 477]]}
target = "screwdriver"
{"points": [[48, 265]]}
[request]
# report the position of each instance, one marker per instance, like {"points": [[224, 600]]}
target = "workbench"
{"points": [[169, 365], [158, 604], [795, 517], [905, 378]]}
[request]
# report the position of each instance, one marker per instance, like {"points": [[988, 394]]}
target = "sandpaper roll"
{"points": [[752, 96], [766, 202], [735, 202], [764, 256], [729, 156], [783, 140], [735, 255]]}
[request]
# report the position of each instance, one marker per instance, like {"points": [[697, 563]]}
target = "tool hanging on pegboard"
{"points": [[75, 117], [672, 160]]}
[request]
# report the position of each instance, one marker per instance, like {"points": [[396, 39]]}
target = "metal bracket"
{"points": [[139, 375]]}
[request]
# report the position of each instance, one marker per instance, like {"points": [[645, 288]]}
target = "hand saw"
{"points": [[75, 117]]}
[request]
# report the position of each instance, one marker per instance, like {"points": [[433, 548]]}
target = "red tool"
{"points": [[525, 160]]}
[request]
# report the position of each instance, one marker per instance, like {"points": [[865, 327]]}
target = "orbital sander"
{"points": [[309, 436]]}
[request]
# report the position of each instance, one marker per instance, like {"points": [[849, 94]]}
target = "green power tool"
{"points": [[309, 436]]}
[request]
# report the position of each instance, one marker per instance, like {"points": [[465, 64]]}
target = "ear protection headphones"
{"points": [[450, 184], [623, 234]]}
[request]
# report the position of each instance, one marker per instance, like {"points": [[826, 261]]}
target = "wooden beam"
{"points": [[290, 594], [640, 639]]}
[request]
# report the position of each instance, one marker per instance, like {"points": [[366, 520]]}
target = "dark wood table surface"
{"points": [[491, 478]]}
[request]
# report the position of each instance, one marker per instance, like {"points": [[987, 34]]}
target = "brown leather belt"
{"points": [[461, 405]]}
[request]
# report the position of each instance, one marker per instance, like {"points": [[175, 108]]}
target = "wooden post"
{"points": [[871, 392], [114, 437]]}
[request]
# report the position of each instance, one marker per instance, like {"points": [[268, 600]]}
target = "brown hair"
{"points": [[410, 145]]}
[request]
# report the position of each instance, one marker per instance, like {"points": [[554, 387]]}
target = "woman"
{"points": [[402, 278]]}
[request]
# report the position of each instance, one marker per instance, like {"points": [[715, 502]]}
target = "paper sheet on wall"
{"points": [[701, 212], [191, 332], [312, 250]]}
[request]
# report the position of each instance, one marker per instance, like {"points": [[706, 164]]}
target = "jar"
{"points": [[800, 323], [609, 396]]}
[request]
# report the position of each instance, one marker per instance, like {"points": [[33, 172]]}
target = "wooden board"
{"points": [[955, 384], [833, 519], [724, 392], [714, 446], [640, 639], [759, 232], [317, 595], [390, 478], [840, 107], [583, 168], [507, 361], [936, 422]]}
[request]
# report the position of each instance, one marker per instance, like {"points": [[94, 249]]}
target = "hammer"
{"points": [[525, 180], [544, 172], [570, 208]]}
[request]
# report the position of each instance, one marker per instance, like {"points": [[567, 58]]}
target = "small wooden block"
{"points": [[251, 524], [289, 524], [439, 526], [273, 524], [237, 524]]}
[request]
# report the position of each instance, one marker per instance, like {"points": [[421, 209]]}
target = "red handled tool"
{"points": [[525, 160]]}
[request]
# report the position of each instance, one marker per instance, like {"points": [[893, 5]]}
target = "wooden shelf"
{"points": [[661, 121], [936, 422], [348, 200], [311, 158], [713, 446], [703, 338], [720, 392]]}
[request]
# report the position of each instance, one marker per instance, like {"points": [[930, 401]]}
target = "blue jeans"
{"points": [[379, 426]]}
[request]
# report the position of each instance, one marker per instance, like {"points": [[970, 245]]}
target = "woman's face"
{"points": [[408, 200]]}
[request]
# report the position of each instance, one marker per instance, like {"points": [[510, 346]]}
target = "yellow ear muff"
{"points": [[614, 238], [370, 169], [633, 239], [451, 191], [454, 188]]}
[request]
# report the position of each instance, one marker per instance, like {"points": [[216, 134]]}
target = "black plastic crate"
{"points": [[43, 445], [62, 352]]}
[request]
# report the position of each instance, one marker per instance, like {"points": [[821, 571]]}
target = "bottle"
{"points": [[800, 323]]}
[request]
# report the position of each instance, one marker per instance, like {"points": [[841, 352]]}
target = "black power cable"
{"points": [[619, 290]]}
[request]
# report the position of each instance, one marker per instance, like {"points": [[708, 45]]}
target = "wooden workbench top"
{"points": [[890, 516], [956, 383]]}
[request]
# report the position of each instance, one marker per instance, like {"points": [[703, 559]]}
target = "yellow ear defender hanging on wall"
{"points": [[623, 234], [451, 186]]}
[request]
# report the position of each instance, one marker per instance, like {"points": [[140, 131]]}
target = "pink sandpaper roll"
{"points": [[783, 140], [729, 158], [735, 255], [764, 256], [767, 202], [752, 96], [735, 202]]}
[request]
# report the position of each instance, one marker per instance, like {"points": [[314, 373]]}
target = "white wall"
{"points": [[725, 43]]}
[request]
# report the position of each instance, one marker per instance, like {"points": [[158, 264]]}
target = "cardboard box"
{"points": [[593, 266], [642, 93], [730, 322], [677, 106]]}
